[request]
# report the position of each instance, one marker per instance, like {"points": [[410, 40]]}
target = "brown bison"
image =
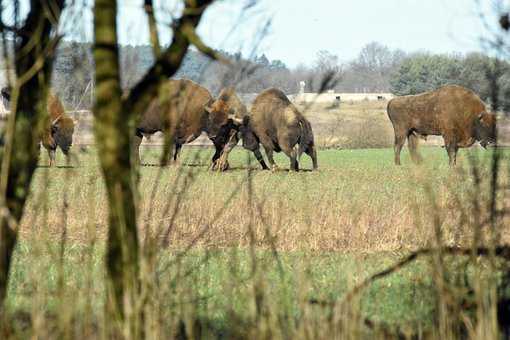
{"points": [[58, 126], [451, 111], [273, 122], [179, 111]]}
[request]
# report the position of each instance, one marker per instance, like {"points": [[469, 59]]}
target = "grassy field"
{"points": [[358, 200], [224, 241]]}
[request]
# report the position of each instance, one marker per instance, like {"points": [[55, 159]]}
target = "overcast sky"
{"points": [[301, 28]]}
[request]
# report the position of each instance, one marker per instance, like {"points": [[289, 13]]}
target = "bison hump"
{"points": [[274, 94]]}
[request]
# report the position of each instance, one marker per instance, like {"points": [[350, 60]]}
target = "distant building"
{"points": [[332, 97]]}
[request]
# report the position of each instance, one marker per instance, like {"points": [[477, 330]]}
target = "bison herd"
{"points": [[184, 110]]}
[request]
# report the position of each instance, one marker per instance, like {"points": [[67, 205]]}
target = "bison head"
{"points": [[485, 128], [225, 115], [250, 140], [62, 129]]}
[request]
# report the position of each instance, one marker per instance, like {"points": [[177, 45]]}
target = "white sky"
{"points": [[301, 28]]}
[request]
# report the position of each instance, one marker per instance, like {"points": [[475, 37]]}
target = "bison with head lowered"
{"points": [[179, 112], [273, 121], [58, 127]]}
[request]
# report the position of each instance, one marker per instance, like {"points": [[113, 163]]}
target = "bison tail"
{"points": [[389, 109], [301, 142], [305, 135]]}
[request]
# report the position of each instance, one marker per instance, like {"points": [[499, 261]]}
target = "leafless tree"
{"points": [[35, 43]]}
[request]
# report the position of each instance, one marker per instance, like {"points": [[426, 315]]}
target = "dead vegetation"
{"points": [[357, 202]]}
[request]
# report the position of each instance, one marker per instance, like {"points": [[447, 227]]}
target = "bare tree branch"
{"points": [[153, 28], [195, 40], [500, 251], [169, 61]]}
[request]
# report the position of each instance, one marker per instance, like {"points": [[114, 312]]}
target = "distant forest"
{"points": [[377, 68]]}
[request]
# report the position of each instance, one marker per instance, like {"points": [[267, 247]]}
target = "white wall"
{"points": [[332, 97]]}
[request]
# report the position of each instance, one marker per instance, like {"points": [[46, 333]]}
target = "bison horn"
{"points": [[55, 121], [236, 119]]}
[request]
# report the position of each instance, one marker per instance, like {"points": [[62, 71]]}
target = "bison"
{"points": [[453, 112], [58, 126], [273, 122], [179, 111]]}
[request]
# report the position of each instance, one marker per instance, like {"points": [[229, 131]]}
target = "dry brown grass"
{"points": [[328, 231], [358, 201]]}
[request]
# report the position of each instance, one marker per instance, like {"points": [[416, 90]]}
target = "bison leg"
{"points": [[216, 155], [220, 158], [400, 139], [178, 147], [412, 144], [292, 153], [216, 162], [51, 154], [452, 149], [269, 154], [310, 151], [259, 158], [135, 148], [68, 156], [294, 164]]}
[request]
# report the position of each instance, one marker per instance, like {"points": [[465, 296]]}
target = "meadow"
{"points": [[252, 253]]}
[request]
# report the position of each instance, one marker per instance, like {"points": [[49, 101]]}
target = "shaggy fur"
{"points": [[273, 122], [58, 127], [451, 111], [179, 111]]}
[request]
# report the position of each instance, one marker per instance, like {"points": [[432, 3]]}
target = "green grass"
{"points": [[402, 299], [331, 229]]}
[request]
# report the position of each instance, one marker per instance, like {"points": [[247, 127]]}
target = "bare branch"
{"points": [[501, 251], [40, 61], [153, 28], [169, 61], [195, 40]]}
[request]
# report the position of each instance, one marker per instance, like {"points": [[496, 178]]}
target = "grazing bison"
{"points": [[180, 111], [58, 126], [273, 122], [451, 111]]}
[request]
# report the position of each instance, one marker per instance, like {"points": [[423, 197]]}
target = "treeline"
{"points": [[488, 77], [376, 69]]}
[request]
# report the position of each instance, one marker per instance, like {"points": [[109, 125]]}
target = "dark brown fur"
{"points": [[451, 111], [179, 111], [275, 123], [58, 126], [222, 111], [59, 129]]}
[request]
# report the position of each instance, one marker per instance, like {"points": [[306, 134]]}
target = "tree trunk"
{"points": [[113, 138], [114, 130], [34, 56]]}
